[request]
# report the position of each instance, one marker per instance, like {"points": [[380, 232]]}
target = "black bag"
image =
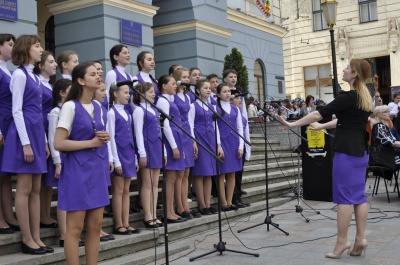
{"points": [[382, 155]]}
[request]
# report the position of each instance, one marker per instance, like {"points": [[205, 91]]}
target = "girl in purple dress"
{"points": [[25, 145], [175, 155], [7, 218], [148, 141], [82, 187], [182, 100], [146, 64], [45, 69], [66, 61], [232, 145], [60, 92], [120, 59], [120, 127], [204, 132]]}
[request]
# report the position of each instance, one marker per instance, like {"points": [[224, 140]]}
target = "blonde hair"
{"points": [[363, 71], [377, 119]]}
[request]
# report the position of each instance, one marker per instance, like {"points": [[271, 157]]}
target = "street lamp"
{"points": [[329, 8]]}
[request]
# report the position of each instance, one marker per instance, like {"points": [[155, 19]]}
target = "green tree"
{"points": [[235, 61]]}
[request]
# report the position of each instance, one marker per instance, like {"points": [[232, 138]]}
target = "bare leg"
{"points": [[155, 175], [171, 177], [6, 193], [344, 214], [125, 202], [178, 191], [198, 183], [74, 222], [207, 184], [184, 193], [221, 186], [94, 220], [34, 209], [230, 187], [2, 221], [22, 207], [361, 213], [118, 188], [62, 223], [45, 204], [145, 194]]}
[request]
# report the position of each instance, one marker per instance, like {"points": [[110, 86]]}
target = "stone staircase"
{"points": [[139, 248]]}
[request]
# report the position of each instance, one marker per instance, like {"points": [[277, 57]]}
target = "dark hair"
{"points": [[60, 85], [193, 69], [163, 80], [116, 50], [78, 72], [140, 58], [96, 61], [142, 88], [20, 51], [37, 69], [219, 88], [6, 37], [208, 78], [227, 72], [308, 99], [172, 68], [199, 84], [396, 95], [64, 57]]}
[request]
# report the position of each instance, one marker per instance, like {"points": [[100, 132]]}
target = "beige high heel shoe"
{"points": [[360, 249], [337, 256]]}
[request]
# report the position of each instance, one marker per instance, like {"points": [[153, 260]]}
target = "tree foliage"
{"points": [[235, 60]]}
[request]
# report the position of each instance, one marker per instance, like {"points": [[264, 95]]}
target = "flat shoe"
{"points": [[174, 221], [110, 237], [226, 208], [195, 214], [6, 230], [51, 225], [47, 249], [117, 232], [213, 210], [32, 251], [15, 227], [150, 224], [104, 238], [132, 230]]}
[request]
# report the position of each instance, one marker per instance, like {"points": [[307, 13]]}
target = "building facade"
{"points": [[190, 33], [365, 29]]}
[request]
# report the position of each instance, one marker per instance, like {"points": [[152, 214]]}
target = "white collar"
{"points": [[144, 74], [170, 98], [69, 77], [29, 67]]}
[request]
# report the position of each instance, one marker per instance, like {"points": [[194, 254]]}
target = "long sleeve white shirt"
{"points": [[192, 115], [17, 87], [111, 131], [227, 108], [164, 105], [53, 120]]}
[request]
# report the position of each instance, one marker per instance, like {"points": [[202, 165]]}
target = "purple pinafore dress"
{"points": [[229, 141], [47, 102], [5, 110], [32, 110], [104, 148], [125, 144], [204, 132], [152, 138], [173, 164], [82, 185], [187, 142]]}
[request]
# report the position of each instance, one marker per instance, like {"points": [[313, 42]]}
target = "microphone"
{"points": [[123, 83], [180, 83], [238, 95]]}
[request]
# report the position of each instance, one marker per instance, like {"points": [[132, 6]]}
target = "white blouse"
{"points": [[163, 104]]}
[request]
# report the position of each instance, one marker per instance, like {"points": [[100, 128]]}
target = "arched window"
{"points": [[49, 35], [259, 80]]}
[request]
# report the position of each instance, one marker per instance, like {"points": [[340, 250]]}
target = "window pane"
{"points": [[373, 11], [316, 5], [310, 72], [317, 21], [324, 71], [364, 13]]}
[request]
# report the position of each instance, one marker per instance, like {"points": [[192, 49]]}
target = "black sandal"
{"points": [[148, 224], [132, 231], [117, 232]]}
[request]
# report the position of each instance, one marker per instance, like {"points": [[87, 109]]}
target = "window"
{"points": [[318, 81], [368, 10], [259, 80], [319, 22]]}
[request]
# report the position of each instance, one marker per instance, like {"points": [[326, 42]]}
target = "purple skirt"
{"points": [[173, 164], [348, 177], [4, 125]]}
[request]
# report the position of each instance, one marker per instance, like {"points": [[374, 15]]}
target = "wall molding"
{"points": [[133, 6]]}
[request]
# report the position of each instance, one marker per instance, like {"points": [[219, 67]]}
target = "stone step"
{"points": [[256, 180], [276, 156], [272, 167], [146, 240]]}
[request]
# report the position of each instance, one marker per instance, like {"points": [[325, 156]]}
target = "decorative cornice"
{"points": [[192, 25], [255, 23], [134, 6]]}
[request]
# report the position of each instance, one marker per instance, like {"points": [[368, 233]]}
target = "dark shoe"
{"points": [[215, 195], [132, 230], [110, 237], [213, 210], [104, 238], [234, 207], [148, 224], [195, 214], [174, 221], [32, 251], [133, 209], [47, 249], [159, 206], [117, 232], [51, 225], [160, 221], [243, 192], [226, 208], [247, 204], [81, 243], [15, 227], [6, 230], [205, 211], [238, 204], [185, 215], [61, 243]]}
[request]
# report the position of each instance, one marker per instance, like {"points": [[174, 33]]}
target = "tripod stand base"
{"points": [[220, 247], [268, 222]]}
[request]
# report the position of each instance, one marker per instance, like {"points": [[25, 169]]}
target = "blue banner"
{"points": [[131, 32], [9, 10]]}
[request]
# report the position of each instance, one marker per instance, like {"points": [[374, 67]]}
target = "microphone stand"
{"points": [[268, 218], [162, 118], [220, 246]]}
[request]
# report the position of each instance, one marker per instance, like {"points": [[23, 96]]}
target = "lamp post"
{"points": [[329, 8]]}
